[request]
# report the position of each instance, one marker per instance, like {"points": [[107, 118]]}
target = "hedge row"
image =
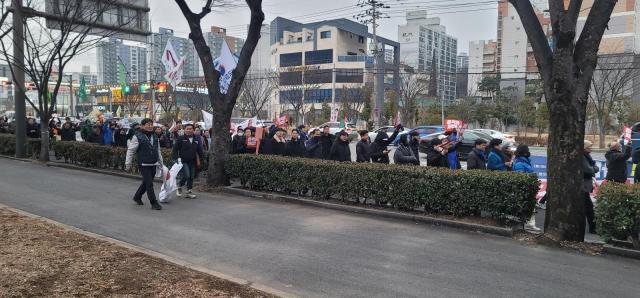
{"points": [[97, 156], [618, 212], [8, 146], [439, 191], [532, 141]]}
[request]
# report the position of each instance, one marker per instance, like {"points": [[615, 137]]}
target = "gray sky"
{"points": [[465, 19]]}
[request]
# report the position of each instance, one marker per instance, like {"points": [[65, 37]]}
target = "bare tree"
{"points": [[48, 51], [133, 103], [566, 71], [352, 102], [292, 96], [196, 101], [222, 104], [256, 94], [413, 85], [613, 79], [4, 16], [166, 101]]}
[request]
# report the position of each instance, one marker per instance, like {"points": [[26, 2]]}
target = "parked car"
{"points": [[335, 127], [497, 134], [423, 131], [385, 129]]}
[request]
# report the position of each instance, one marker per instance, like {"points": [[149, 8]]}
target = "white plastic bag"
{"points": [[169, 184]]}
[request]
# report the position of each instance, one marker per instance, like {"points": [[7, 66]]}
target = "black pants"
{"points": [[588, 211], [148, 173]]}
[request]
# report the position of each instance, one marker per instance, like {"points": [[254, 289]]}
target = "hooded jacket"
{"points": [[68, 134], [275, 148], [340, 151], [188, 150], [327, 143], [436, 159], [617, 164], [379, 145], [496, 161], [522, 164], [404, 156]]}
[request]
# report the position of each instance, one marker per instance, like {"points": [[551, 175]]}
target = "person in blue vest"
{"points": [[147, 147], [107, 130], [496, 159], [452, 156]]}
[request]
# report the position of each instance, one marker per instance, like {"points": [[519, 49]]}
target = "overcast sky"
{"points": [[465, 19]]}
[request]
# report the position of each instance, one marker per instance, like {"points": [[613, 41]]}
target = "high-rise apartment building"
{"points": [[214, 40], [183, 46], [462, 75], [419, 39], [483, 62], [113, 52], [261, 59]]}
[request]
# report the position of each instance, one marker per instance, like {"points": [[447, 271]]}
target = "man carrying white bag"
{"points": [[169, 184]]}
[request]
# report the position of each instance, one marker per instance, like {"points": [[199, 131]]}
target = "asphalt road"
{"points": [[314, 252]]}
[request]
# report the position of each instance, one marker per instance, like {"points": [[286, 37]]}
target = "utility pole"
{"points": [[371, 16], [72, 105], [18, 79]]}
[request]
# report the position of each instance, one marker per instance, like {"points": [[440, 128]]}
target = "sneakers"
{"points": [[138, 201], [531, 225], [179, 192], [156, 206], [190, 194]]}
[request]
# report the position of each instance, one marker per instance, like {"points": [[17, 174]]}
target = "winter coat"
{"points": [[273, 147], [295, 148], [340, 151], [495, 162], [404, 156], [362, 151], [377, 148], [95, 138], [522, 165], [33, 130], [107, 134], [636, 159], [120, 137], [436, 159], [415, 147], [590, 170], [617, 164], [188, 150], [314, 148], [238, 145], [476, 160], [452, 155], [68, 134], [327, 143]]}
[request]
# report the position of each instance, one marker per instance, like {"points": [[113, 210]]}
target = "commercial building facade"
{"points": [[326, 62]]}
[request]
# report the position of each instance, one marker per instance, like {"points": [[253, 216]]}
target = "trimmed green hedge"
{"points": [[441, 191], [8, 146], [95, 155], [618, 212]]}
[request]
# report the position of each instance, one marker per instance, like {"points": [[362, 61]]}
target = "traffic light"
{"points": [[126, 89]]}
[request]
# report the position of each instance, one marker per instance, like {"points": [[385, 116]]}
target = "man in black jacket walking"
{"points": [[378, 149], [362, 148], [147, 147], [404, 155], [188, 149], [295, 146], [617, 162], [340, 150]]}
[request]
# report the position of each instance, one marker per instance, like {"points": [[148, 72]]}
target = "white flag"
{"points": [[170, 58], [225, 65], [208, 119], [174, 77]]}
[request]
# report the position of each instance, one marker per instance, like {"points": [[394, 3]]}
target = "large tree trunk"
{"points": [[44, 138], [601, 131]]}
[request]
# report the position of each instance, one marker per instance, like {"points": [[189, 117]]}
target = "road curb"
{"points": [[15, 158], [621, 252], [155, 254], [505, 232]]}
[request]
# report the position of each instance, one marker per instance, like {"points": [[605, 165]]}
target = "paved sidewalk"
{"points": [[314, 252]]}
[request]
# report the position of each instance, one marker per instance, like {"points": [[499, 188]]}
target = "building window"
{"points": [[353, 94], [361, 39], [290, 96], [352, 75], [318, 57], [290, 78], [321, 76], [292, 59], [318, 96], [325, 34]]}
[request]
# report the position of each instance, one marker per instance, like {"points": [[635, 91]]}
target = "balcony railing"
{"points": [[356, 58]]}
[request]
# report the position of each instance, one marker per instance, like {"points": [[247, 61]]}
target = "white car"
{"points": [[497, 134], [335, 127], [385, 129]]}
